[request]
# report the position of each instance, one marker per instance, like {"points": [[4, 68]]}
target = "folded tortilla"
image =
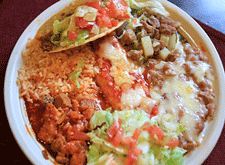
{"points": [[47, 28]]}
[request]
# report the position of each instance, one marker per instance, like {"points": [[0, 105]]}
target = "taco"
{"points": [[81, 22]]}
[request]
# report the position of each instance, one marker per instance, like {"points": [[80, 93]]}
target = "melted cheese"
{"points": [[177, 94], [121, 66], [200, 70], [137, 99], [182, 94]]}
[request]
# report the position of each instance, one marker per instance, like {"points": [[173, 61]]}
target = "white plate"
{"points": [[16, 112]]}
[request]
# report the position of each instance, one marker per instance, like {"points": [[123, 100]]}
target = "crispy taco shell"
{"points": [[47, 27]]}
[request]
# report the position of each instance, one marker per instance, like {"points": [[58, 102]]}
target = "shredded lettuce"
{"points": [[155, 6], [81, 37], [101, 117], [101, 151], [76, 73], [175, 157], [59, 27]]}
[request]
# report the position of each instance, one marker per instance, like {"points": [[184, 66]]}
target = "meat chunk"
{"points": [[169, 21], [46, 43], [49, 129], [89, 103], [78, 159], [74, 133], [62, 100], [58, 144], [135, 54], [75, 105], [154, 22], [88, 113], [167, 29], [129, 36], [76, 147], [159, 45], [75, 115], [147, 27], [62, 158]]}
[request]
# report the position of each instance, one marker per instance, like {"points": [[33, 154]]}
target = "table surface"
{"points": [[16, 15]]}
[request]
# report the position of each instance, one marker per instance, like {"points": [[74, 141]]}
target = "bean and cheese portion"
{"points": [[149, 66]]}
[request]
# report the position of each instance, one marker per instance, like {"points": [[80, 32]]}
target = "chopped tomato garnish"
{"points": [[104, 10], [117, 9], [114, 23], [115, 136], [132, 155], [95, 4], [136, 150], [173, 142], [113, 129], [155, 132], [155, 111], [134, 20], [127, 140], [72, 35], [136, 135], [80, 22], [103, 20], [118, 137], [124, 3]]}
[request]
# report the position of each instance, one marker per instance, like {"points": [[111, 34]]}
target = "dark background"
{"points": [[16, 15]]}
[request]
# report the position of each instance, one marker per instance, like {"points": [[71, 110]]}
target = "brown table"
{"points": [[15, 16]]}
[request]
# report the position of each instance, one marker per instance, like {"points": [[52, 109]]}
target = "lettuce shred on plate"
{"points": [[128, 136]]}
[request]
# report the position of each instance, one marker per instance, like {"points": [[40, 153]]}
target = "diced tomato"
{"points": [[72, 35], [113, 129], [132, 155], [136, 135], [155, 132], [124, 3], [94, 4], [80, 22], [132, 158], [97, 5], [173, 142], [103, 20], [104, 10], [155, 111], [136, 151], [117, 9], [127, 140], [134, 20], [114, 23], [118, 137]]}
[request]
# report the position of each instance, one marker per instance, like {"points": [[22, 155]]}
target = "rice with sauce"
{"points": [[44, 74]]}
